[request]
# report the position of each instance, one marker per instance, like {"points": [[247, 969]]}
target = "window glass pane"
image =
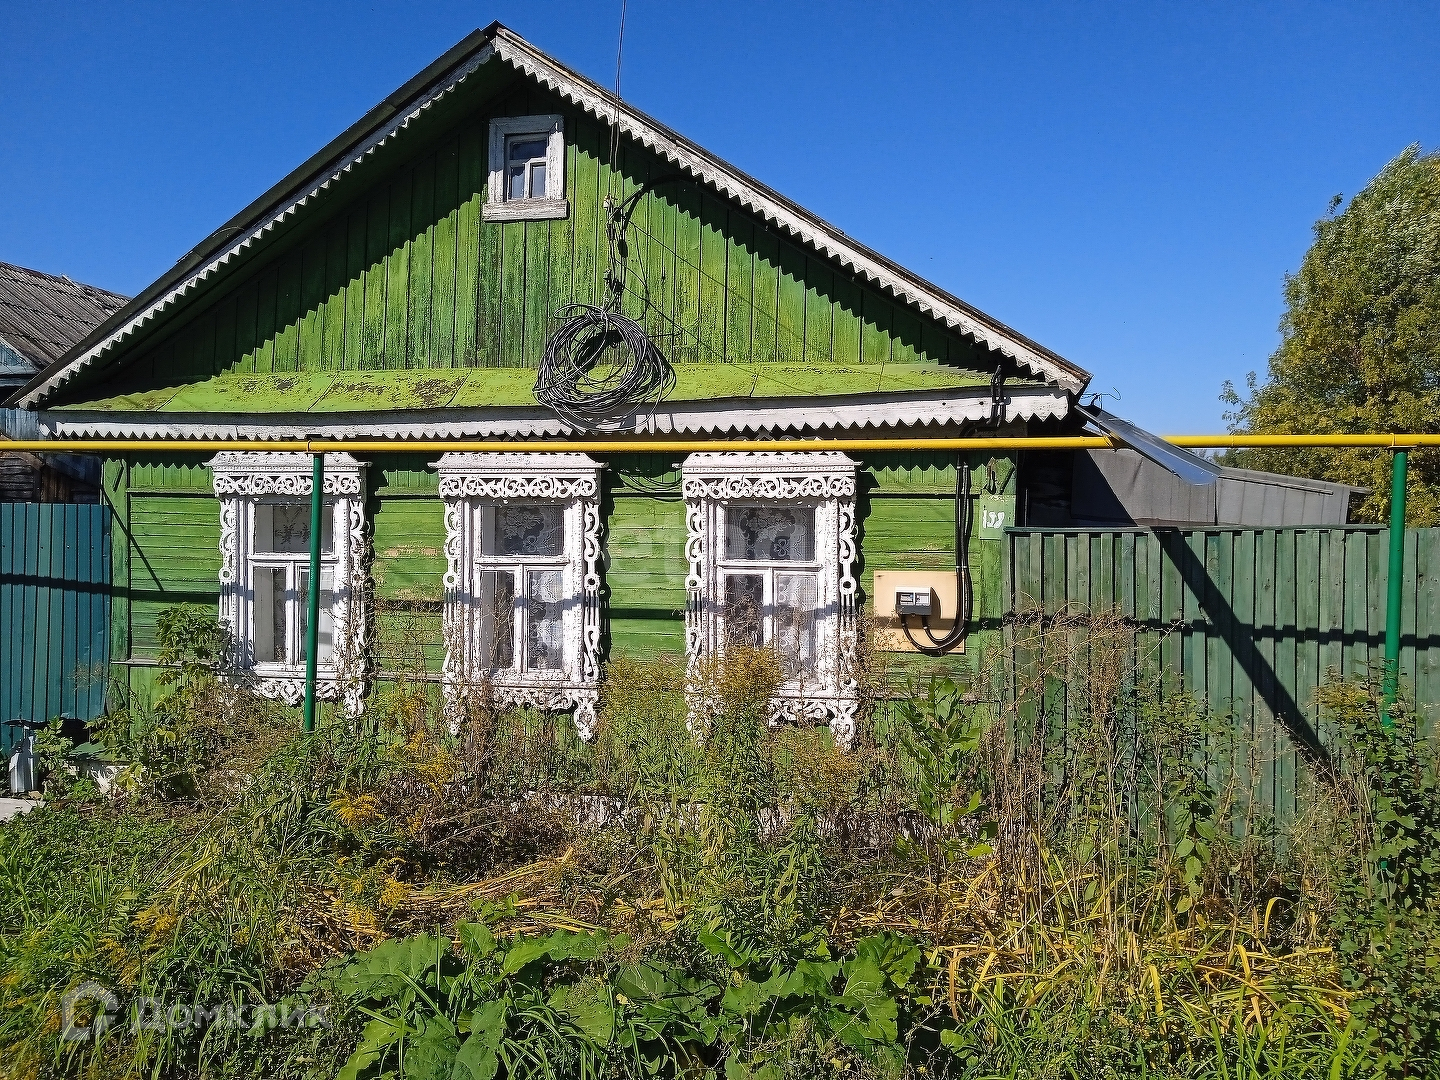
{"points": [[744, 606], [285, 527], [537, 180], [527, 529], [496, 620], [544, 628], [326, 636], [268, 615], [796, 598], [527, 149], [517, 182], [780, 533]]}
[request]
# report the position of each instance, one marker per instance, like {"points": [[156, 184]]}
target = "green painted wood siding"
{"points": [[408, 275], [645, 566], [169, 552], [1249, 620], [407, 520]]}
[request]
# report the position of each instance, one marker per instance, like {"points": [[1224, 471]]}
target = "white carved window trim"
{"points": [[824, 480], [470, 483], [243, 481], [498, 207]]}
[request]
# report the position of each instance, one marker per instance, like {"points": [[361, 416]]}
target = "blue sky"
{"points": [[1125, 183]]}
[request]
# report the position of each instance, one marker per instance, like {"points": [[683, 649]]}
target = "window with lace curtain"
{"points": [[265, 571], [771, 546], [770, 581], [522, 588]]}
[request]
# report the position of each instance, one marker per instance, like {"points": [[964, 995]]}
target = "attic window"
{"points": [[527, 169]]}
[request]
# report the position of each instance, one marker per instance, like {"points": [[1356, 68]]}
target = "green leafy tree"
{"points": [[1360, 348]]}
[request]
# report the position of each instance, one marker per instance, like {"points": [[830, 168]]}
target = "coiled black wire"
{"points": [[599, 366]]}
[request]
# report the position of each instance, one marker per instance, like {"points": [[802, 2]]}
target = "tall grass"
{"points": [[965, 892]]}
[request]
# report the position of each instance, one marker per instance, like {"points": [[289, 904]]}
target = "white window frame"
{"points": [[498, 206], [243, 482], [825, 481], [472, 486]]}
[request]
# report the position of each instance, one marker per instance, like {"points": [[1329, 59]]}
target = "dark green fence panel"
{"points": [[1250, 619], [54, 610]]}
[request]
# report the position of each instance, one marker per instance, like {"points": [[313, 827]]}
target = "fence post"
{"points": [[1390, 680], [312, 622]]}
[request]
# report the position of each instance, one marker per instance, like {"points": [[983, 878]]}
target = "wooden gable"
{"points": [[396, 271]]}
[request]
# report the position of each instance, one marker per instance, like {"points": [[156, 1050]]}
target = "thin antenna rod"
{"points": [[620, 45], [615, 120]]}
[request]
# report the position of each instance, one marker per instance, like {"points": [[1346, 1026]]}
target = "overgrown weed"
{"points": [[966, 891]]}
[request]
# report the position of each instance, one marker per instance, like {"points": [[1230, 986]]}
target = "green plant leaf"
{"points": [[432, 1055]]}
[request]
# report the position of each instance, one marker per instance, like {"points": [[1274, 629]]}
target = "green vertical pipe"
{"points": [[312, 622], [1390, 683]]}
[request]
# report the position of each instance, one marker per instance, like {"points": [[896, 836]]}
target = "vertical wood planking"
{"points": [[686, 311], [790, 339], [377, 280], [710, 324], [397, 274], [310, 330], [287, 313], [443, 283], [422, 246], [352, 358], [765, 293], [537, 291], [819, 317], [739, 298], [512, 296], [585, 212], [54, 577], [337, 252], [471, 184]]}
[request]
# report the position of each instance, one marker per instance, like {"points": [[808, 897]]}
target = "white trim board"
{"points": [[856, 413]]}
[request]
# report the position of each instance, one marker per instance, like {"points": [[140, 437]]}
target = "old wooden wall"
{"points": [[168, 534], [1250, 620], [408, 275]]}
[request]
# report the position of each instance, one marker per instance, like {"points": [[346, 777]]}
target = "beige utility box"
{"points": [[942, 585]]}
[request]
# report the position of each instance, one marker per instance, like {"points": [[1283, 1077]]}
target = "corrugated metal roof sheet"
{"points": [[42, 317]]}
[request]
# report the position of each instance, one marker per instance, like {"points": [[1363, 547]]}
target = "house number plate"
{"points": [[992, 516]]}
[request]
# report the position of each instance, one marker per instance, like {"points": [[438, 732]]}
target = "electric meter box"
{"points": [[898, 591]]}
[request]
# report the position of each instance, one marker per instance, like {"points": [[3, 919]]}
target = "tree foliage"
{"points": [[1360, 348]]}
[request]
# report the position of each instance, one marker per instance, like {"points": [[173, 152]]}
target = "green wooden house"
{"points": [[404, 284]]}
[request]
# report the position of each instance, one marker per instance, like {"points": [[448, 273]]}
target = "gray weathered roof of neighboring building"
{"points": [[43, 316]]}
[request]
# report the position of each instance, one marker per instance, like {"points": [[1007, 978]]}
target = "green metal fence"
{"points": [[1250, 619], [54, 610]]}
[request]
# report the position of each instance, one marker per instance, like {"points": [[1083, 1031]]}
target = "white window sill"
{"points": [[526, 210], [285, 671]]}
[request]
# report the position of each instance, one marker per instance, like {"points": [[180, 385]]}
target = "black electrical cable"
{"points": [[964, 589], [600, 365], [576, 381]]}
